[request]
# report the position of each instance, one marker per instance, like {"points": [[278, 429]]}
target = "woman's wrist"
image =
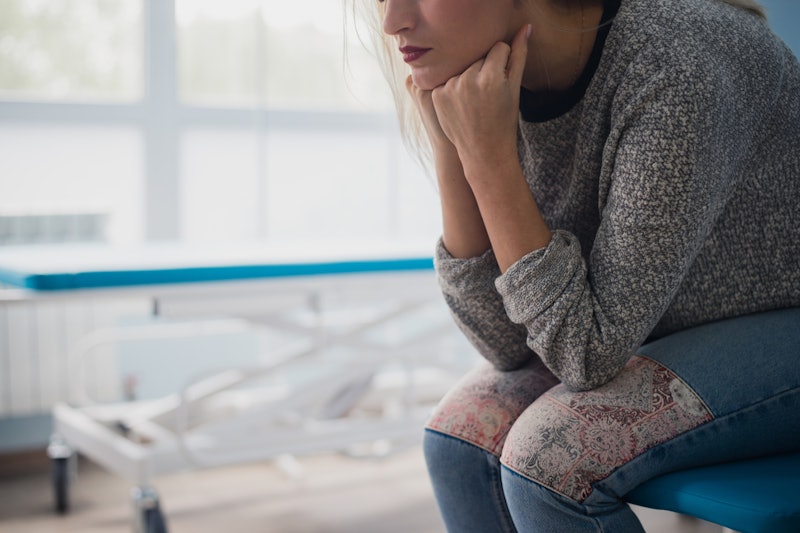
{"points": [[488, 165], [443, 149]]}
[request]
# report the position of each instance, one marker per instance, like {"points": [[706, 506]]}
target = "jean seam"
{"points": [[682, 380], [498, 494], [527, 478], [557, 495], [598, 485], [462, 439]]}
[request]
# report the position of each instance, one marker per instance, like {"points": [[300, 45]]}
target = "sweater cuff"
{"points": [[457, 276], [532, 284]]}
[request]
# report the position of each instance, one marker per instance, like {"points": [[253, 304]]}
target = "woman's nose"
{"points": [[398, 15]]}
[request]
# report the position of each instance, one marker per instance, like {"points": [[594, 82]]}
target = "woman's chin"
{"points": [[427, 80]]}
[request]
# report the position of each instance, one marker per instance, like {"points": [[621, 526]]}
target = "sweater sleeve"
{"points": [[468, 286], [674, 149]]}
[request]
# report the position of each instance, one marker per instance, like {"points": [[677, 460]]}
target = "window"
{"points": [[204, 121], [71, 50], [273, 54]]}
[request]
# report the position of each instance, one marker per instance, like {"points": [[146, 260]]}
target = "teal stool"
{"points": [[754, 496]]}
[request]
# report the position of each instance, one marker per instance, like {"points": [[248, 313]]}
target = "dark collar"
{"points": [[541, 107]]}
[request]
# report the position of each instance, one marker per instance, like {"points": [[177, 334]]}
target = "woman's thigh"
{"points": [[718, 392]]}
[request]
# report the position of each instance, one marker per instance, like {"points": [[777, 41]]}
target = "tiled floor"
{"points": [[320, 494]]}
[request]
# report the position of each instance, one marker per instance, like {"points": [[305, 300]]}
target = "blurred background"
{"points": [[195, 121], [202, 121]]}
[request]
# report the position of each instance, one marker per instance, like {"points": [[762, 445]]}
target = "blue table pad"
{"points": [[39, 274]]}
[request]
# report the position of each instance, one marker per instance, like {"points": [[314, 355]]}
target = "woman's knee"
{"points": [[568, 441], [483, 406]]}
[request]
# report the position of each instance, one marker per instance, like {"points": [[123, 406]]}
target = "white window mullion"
{"points": [[161, 127]]}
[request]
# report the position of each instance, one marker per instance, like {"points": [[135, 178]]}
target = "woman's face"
{"points": [[439, 39]]}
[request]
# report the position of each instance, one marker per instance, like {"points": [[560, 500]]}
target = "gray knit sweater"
{"points": [[673, 188]]}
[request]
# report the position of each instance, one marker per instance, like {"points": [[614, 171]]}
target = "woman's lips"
{"points": [[412, 53]]}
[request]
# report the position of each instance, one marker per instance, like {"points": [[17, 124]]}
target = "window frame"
{"points": [[162, 118]]}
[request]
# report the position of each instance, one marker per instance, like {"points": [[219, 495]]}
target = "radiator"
{"points": [[35, 343], [52, 227], [35, 337]]}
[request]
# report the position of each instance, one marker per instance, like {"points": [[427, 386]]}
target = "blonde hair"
{"points": [[370, 13], [395, 72]]}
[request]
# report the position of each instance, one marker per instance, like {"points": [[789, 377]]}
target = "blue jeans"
{"points": [[515, 451]]}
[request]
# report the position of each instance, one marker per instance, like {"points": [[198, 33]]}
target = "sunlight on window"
{"points": [[71, 50], [278, 132], [274, 54], [87, 169]]}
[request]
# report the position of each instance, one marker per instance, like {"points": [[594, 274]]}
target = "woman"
{"points": [[619, 184]]}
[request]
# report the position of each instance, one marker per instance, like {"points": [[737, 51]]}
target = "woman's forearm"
{"points": [[509, 212], [494, 208], [463, 231], [478, 112]]}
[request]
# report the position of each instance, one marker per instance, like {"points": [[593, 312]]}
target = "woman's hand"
{"points": [[478, 112], [424, 104], [471, 122], [478, 109], [463, 232]]}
